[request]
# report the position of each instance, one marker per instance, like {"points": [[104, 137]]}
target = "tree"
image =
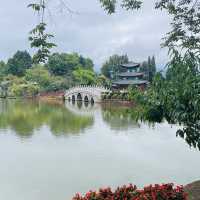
{"points": [[84, 76], [152, 68], [112, 66], [153, 65], [25, 89], [2, 69], [145, 69], [86, 63], [176, 98], [63, 64], [103, 81], [38, 38], [39, 75], [18, 64], [149, 68], [110, 5]]}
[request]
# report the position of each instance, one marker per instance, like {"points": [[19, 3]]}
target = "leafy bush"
{"points": [[45, 80], [154, 114], [25, 89], [157, 192], [135, 94], [116, 95]]}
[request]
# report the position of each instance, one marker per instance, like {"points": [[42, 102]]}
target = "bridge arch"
{"points": [[86, 99], [73, 98], [79, 97], [92, 100]]}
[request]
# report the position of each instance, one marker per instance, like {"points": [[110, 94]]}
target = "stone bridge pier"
{"points": [[85, 93]]}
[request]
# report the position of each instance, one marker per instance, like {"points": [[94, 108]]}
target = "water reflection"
{"points": [[123, 118], [23, 117], [190, 124], [119, 118], [82, 108]]}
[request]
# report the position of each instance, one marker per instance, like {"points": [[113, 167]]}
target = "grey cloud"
{"points": [[90, 31]]}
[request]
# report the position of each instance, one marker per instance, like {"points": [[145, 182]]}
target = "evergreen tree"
{"points": [[2, 69], [153, 66], [149, 60], [61, 64], [19, 63], [149, 68], [145, 69], [112, 66]]}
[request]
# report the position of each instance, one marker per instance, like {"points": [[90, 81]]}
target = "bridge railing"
{"points": [[89, 86], [86, 87]]}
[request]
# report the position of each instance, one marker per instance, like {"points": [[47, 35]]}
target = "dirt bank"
{"points": [[58, 95], [193, 190]]}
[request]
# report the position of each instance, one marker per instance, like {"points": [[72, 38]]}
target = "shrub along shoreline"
{"points": [[130, 192], [151, 192]]}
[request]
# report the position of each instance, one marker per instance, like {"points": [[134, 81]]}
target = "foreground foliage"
{"points": [[176, 97], [157, 192]]}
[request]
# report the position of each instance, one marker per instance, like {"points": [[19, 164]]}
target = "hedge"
{"points": [[130, 192]]}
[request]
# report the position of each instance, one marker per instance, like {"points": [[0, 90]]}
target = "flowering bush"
{"points": [[156, 192]]}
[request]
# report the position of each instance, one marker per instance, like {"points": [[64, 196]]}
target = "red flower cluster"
{"points": [[156, 192]]}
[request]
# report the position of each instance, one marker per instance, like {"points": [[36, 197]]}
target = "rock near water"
{"points": [[193, 190]]}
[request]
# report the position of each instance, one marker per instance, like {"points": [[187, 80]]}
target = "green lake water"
{"points": [[50, 151]]}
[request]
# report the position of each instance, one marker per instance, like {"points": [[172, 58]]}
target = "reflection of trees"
{"points": [[120, 118], [191, 126], [25, 116]]}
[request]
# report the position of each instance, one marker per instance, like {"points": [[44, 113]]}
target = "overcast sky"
{"points": [[89, 31]]}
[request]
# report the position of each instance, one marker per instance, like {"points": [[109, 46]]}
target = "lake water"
{"points": [[50, 151]]}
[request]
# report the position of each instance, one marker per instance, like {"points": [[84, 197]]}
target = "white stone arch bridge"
{"points": [[86, 93]]}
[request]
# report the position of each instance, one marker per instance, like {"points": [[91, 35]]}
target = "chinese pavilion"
{"points": [[130, 75]]}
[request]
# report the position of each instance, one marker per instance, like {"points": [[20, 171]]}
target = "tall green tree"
{"points": [[145, 69], [153, 65], [2, 70], [176, 98], [19, 63], [152, 68], [112, 66], [86, 63], [84, 76], [39, 75], [64, 63], [149, 68], [103, 81]]}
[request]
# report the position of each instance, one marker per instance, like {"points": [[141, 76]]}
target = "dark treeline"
{"points": [[19, 76]]}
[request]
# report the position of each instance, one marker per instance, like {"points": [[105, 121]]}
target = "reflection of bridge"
{"points": [[82, 108], [85, 93]]}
